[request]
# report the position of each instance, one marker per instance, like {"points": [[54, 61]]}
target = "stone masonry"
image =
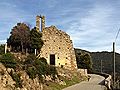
{"points": [[58, 48]]}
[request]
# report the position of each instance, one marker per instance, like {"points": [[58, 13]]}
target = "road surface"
{"points": [[92, 84]]}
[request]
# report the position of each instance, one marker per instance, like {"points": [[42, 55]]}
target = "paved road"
{"points": [[92, 84]]}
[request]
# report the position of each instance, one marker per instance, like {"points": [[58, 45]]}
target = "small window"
{"points": [[54, 40], [58, 57], [66, 58], [59, 63], [61, 66], [59, 47], [65, 63]]}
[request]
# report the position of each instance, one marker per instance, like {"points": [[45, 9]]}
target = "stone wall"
{"points": [[38, 23], [83, 72], [58, 43]]}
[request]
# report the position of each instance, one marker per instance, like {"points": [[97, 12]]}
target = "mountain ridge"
{"points": [[102, 60]]}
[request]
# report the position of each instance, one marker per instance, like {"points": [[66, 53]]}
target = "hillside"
{"points": [[106, 58], [21, 72]]}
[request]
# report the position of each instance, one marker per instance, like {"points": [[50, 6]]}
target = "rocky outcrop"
{"points": [[6, 81], [29, 84]]}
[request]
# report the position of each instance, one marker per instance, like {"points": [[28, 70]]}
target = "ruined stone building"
{"points": [[58, 48]]}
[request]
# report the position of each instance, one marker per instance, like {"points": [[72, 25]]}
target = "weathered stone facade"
{"points": [[58, 48]]}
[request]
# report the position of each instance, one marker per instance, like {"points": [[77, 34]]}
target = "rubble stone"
{"points": [[59, 44]]}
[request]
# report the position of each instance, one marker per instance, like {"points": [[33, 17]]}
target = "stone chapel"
{"points": [[58, 47]]}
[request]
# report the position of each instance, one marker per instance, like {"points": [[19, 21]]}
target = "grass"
{"points": [[57, 86]]}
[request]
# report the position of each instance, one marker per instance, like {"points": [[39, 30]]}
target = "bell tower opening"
{"points": [[52, 59]]}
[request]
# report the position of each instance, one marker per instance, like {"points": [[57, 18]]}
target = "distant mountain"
{"points": [[106, 58]]}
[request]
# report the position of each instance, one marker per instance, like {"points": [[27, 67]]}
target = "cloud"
{"points": [[91, 24], [3, 41], [96, 30], [52, 3], [11, 14]]}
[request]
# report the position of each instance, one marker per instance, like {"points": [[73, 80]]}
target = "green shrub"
{"points": [[8, 60], [43, 60], [16, 78], [2, 49], [31, 71], [39, 67], [51, 70], [30, 59]]}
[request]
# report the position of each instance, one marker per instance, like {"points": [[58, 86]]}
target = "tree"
{"points": [[36, 41], [2, 49], [20, 37], [84, 61]]}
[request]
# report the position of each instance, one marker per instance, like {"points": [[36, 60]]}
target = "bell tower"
{"points": [[40, 23]]}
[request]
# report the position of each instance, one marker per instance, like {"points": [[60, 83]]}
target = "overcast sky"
{"points": [[92, 24]]}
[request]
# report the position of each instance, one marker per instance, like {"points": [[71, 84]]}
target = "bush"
{"points": [[16, 78], [43, 60], [41, 67], [38, 67], [53, 72], [84, 61], [31, 71], [30, 59], [2, 49], [8, 60]]}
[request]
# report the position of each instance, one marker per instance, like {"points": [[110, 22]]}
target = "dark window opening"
{"points": [[52, 59], [61, 66], [58, 57]]}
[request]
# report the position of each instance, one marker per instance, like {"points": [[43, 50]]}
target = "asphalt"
{"points": [[92, 84]]}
